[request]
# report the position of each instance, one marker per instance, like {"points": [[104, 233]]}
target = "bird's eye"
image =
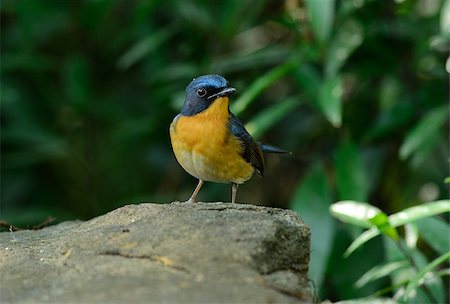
{"points": [[201, 92]]}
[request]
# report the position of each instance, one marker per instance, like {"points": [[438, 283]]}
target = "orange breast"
{"points": [[205, 148]]}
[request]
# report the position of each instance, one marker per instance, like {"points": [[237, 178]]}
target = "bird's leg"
{"points": [[234, 188], [197, 189]]}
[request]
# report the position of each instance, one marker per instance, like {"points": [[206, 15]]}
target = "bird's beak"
{"points": [[222, 93]]}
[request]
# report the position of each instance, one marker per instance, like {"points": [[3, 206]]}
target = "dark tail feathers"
{"points": [[272, 149]]}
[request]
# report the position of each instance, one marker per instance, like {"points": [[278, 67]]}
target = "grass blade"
{"points": [[355, 213], [270, 116], [403, 217], [435, 232], [260, 84], [351, 174], [321, 15], [330, 102], [428, 126], [379, 272], [416, 281]]}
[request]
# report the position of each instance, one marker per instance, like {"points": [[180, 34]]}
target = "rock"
{"points": [[151, 253]]}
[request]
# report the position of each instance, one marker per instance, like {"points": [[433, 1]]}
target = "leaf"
{"points": [[259, 85], [351, 176], [406, 216], [143, 48], [360, 240], [356, 213], [442, 273], [393, 116], [447, 180], [381, 221], [402, 276], [414, 213], [321, 16], [270, 116], [445, 18], [371, 300], [261, 58], [435, 232], [379, 272], [42, 145], [428, 126], [330, 102], [411, 235], [311, 201], [77, 82], [348, 37], [416, 280], [308, 79], [421, 157]]}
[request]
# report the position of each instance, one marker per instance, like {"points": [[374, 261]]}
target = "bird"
{"points": [[210, 142]]}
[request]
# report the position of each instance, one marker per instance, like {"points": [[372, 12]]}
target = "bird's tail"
{"points": [[272, 149]]}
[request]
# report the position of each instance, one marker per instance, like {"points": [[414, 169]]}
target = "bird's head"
{"points": [[203, 91]]}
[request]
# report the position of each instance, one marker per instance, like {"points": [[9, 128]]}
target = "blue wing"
{"points": [[272, 149], [252, 153]]}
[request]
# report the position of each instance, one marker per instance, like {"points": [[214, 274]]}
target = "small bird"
{"points": [[209, 142]]}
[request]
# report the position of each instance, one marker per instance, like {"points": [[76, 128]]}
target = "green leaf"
{"points": [[355, 213], [414, 213], [361, 239], [445, 18], [403, 217], [379, 272], [321, 15], [348, 37], [419, 135], [442, 273], [402, 276], [262, 58], [308, 78], [411, 235], [311, 201], [259, 85], [416, 281], [371, 300], [381, 221], [435, 232], [330, 102], [421, 157], [351, 176], [144, 47], [447, 180], [270, 116], [77, 82]]}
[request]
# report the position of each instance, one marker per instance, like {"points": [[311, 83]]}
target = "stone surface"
{"points": [[150, 253]]}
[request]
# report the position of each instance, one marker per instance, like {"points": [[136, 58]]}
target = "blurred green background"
{"points": [[356, 89]]}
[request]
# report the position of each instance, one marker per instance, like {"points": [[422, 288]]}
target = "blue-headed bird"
{"points": [[209, 142]]}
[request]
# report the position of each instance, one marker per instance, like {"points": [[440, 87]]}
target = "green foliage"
{"points": [[258, 86], [354, 89], [351, 172], [403, 217], [415, 281], [407, 266], [330, 100], [321, 14], [312, 200], [355, 213], [422, 137]]}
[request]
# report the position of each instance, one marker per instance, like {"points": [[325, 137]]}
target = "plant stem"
{"points": [[413, 264]]}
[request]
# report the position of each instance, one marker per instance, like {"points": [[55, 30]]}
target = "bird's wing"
{"points": [[252, 153], [265, 148]]}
